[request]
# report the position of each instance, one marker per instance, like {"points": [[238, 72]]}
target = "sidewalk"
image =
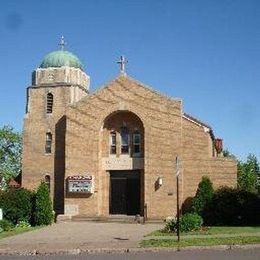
{"points": [[84, 236]]}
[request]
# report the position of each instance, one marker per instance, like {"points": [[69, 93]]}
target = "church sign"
{"points": [[80, 184]]}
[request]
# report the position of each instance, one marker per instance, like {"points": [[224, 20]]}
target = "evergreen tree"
{"points": [[43, 206], [203, 195]]}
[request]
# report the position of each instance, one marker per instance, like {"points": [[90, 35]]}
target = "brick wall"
{"points": [[81, 141]]}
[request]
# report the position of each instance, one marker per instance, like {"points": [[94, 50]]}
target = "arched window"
{"points": [[124, 140], [112, 142], [48, 142], [47, 180], [49, 104], [136, 143]]}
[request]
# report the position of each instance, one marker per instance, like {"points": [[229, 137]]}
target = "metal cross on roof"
{"points": [[122, 63], [62, 43]]}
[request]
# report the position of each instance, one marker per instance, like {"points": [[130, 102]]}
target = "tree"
{"points": [[203, 195], [228, 154], [16, 204], [232, 207], [10, 153], [248, 174], [43, 206]]}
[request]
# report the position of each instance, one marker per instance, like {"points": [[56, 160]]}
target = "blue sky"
{"points": [[206, 52]]}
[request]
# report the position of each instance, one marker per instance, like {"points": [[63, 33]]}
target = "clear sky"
{"points": [[206, 51]]}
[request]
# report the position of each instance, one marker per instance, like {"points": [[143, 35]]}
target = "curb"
{"points": [[78, 251]]}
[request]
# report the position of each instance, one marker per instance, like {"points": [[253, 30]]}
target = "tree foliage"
{"points": [[248, 175], [232, 207], [188, 222], [228, 154], [43, 213], [203, 195], [16, 204], [10, 152]]}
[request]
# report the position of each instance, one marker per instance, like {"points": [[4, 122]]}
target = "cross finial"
{"points": [[122, 63], [62, 43]]}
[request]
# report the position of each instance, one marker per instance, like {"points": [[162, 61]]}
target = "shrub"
{"points": [[6, 225], [16, 205], [188, 222], [234, 207], [43, 214], [23, 224], [186, 206], [203, 196], [171, 225]]}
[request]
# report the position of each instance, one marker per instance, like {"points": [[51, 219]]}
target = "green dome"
{"points": [[61, 58]]}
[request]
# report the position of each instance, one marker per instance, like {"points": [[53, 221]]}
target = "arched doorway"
{"points": [[123, 154]]}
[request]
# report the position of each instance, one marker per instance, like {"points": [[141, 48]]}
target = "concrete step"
{"points": [[112, 218]]}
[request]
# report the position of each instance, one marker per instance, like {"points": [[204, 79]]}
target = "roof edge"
{"points": [[152, 89], [137, 82], [199, 123]]}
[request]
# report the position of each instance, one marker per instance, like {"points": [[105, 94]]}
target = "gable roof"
{"points": [[152, 90]]}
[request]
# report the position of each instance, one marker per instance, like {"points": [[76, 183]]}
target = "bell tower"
{"points": [[58, 82]]}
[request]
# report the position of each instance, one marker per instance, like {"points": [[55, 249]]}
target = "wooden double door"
{"points": [[124, 192]]}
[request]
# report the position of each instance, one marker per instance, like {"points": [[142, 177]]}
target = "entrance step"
{"points": [[111, 218]]}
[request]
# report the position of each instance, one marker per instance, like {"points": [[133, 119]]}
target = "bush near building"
{"points": [[226, 206], [232, 207], [203, 196], [188, 222], [16, 205], [6, 225], [22, 207], [43, 214]]}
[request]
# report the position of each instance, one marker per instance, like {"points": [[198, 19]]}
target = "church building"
{"points": [[113, 151]]}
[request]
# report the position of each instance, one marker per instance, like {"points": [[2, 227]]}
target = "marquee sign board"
{"points": [[80, 184]]}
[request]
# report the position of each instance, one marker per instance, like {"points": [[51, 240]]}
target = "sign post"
{"points": [[178, 203]]}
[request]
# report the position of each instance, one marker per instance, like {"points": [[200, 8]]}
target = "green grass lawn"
{"points": [[211, 231], [17, 231], [200, 241]]}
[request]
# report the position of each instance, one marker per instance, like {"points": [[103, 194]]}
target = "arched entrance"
{"points": [[123, 160]]}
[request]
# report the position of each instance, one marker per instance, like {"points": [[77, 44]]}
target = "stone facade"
{"points": [[36, 162], [82, 125]]}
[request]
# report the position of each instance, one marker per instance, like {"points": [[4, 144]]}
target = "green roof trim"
{"points": [[61, 58]]}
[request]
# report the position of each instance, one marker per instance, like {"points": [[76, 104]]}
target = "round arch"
{"points": [[122, 154]]}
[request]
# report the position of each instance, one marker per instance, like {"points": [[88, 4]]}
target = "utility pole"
{"points": [[178, 202]]}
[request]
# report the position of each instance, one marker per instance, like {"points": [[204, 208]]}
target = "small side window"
{"points": [[136, 143], [112, 142], [49, 104], [47, 180], [48, 143]]}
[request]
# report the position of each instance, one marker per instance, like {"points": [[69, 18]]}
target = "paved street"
{"points": [[236, 254], [82, 235]]}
